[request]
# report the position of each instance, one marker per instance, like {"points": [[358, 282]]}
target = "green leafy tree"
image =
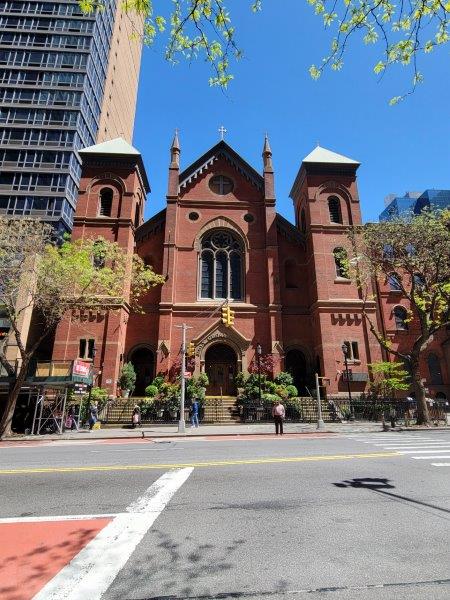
{"points": [[415, 250], [388, 378], [405, 32], [56, 282]]}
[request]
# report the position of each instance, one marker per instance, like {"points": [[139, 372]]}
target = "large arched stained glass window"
{"points": [[221, 266]]}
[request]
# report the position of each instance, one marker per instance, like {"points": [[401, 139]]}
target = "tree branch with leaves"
{"points": [[406, 32], [412, 252], [58, 281]]}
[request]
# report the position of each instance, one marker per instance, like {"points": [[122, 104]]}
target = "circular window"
{"points": [[249, 218], [193, 216], [219, 184]]}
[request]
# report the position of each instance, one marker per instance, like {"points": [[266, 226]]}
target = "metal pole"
{"points": [[320, 422], [352, 414], [259, 379], [181, 423]]}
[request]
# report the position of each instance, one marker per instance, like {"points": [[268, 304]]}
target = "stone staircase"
{"points": [[221, 410], [309, 410]]}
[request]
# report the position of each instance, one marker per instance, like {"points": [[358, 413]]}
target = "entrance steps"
{"points": [[221, 409], [309, 410]]}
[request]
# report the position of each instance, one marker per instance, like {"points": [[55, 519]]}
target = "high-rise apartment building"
{"points": [[67, 81]]}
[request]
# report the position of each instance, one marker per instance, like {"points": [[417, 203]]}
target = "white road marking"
{"points": [[95, 567], [422, 451], [58, 518], [441, 464], [430, 457], [418, 446]]}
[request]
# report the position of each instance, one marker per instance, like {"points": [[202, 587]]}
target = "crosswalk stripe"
{"points": [[422, 451], [441, 464], [429, 457], [412, 447]]}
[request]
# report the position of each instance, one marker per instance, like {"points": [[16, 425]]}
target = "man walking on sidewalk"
{"points": [[278, 414]]}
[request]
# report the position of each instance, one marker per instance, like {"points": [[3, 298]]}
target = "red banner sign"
{"points": [[81, 368]]}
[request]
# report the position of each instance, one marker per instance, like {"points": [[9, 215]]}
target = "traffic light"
{"points": [[190, 350], [227, 316]]}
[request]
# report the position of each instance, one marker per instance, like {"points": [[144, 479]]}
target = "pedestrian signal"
{"points": [[190, 351]]}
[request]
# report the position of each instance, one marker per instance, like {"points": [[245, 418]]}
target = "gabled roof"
{"points": [[323, 156], [222, 149], [116, 146]]}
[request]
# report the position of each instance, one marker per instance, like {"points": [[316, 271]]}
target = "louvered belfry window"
{"points": [[334, 207], [105, 204], [221, 267]]}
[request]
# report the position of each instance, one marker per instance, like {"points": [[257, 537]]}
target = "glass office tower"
{"points": [[55, 64]]}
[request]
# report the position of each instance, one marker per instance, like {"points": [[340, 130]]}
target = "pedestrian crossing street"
{"points": [[426, 447]]}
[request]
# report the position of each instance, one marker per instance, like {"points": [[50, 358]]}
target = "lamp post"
{"points": [[258, 358], [345, 353]]}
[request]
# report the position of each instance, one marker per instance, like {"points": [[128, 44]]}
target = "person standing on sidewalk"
{"points": [[278, 414], [194, 413]]}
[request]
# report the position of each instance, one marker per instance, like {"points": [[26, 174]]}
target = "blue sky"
{"points": [[404, 147]]}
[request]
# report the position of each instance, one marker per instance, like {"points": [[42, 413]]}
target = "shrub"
{"points": [[147, 406], [270, 399], [127, 377], [203, 380], [295, 407], [292, 391], [270, 387], [169, 397], [284, 378], [151, 391], [281, 391], [158, 381], [240, 379]]}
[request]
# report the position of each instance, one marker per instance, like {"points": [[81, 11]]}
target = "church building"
{"points": [[218, 242]]}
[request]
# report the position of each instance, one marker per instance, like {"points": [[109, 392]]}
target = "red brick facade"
{"points": [[291, 299]]}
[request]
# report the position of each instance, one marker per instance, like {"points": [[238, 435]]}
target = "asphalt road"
{"points": [[339, 517]]}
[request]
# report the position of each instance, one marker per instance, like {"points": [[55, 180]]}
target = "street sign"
{"points": [[80, 388]]}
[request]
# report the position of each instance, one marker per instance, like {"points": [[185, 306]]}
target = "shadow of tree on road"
{"points": [[180, 570], [22, 573]]}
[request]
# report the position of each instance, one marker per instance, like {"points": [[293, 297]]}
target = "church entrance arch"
{"points": [[297, 366], [143, 362], [221, 368]]}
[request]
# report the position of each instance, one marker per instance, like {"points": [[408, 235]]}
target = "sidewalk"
{"points": [[164, 431]]}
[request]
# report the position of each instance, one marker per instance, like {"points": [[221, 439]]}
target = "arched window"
{"points": [[303, 221], [394, 283], [290, 274], [221, 266], [105, 202], [400, 316], [340, 256], [434, 368], [334, 207]]}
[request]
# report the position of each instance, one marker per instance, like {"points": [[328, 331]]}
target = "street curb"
{"points": [[149, 435]]}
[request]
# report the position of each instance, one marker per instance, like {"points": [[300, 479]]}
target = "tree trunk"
{"points": [[8, 414], [423, 418]]}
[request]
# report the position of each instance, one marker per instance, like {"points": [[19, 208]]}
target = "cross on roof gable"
{"points": [[221, 149]]}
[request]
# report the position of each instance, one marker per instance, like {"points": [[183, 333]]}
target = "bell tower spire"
{"points": [[269, 187], [174, 167]]}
